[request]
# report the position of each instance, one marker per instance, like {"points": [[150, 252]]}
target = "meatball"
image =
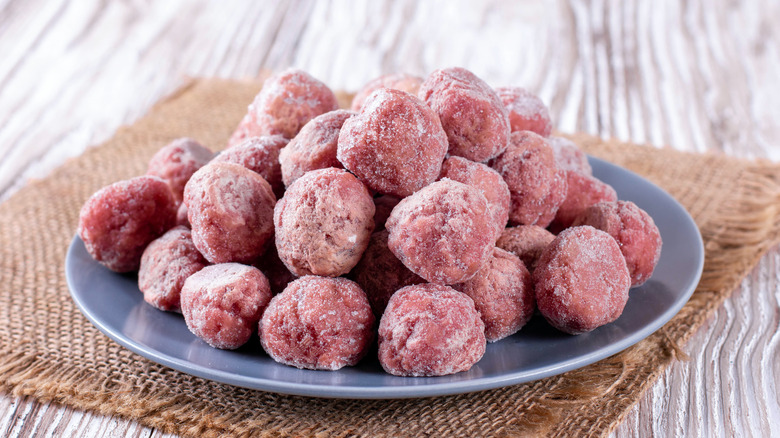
{"points": [[472, 114], [635, 232], [582, 191], [527, 112], [430, 330], [581, 281], [444, 233], [261, 155], [118, 221], [527, 242], [318, 323], [323, 223], [177, 161], [398, 81], [230, 209], [537, 187], [314, 147], [223, 303], [395, 145], [484, 179], [166, 263], [503, 293], [570, 157]]}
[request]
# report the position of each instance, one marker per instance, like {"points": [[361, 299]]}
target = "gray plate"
{"points": [[113, 303]]}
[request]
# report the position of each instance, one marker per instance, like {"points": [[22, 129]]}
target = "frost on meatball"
{"points": [[261, 155], [166, 263], [379, 273], [395, 145], [582, 191], [323, 223], [314, 147], [527, 112], [430, 330], [635, 232], [537, 187], [472, 114], [118, 221], [484, 179], [398, 81], [569, 156], [526, 242], [581, 281], [287, 101], [318, 323], [230, 209], [503, 294], [223, 303], [444, 233], [177, 161]]}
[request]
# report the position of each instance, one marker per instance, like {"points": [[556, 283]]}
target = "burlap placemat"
{"points": [[48, 350]]}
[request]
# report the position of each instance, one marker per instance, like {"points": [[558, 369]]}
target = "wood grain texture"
{"points": [[694, 75]]}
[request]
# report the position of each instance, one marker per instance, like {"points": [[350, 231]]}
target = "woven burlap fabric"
{"points": [[48, 350]]}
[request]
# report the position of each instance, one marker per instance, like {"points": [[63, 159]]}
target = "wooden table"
{"points": [[696, 75]]}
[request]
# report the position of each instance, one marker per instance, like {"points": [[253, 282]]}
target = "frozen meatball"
{"points": [[444, 233], [581, 281], [380, 273], [177, 161], [570, 157], [503, 293], [274, 269], [472, 114], [430, 330], [484, 179], [323, 223], [537, 187], [527, 112], [245, 130], [395, 145], [527, 242], [230, 209], [318, 323], [398, 81], [287, 101], [384, 205], [582, 191], [166, 263], [118, 221], [314, 147], [261, 155], [635, 232], [223, 303]]}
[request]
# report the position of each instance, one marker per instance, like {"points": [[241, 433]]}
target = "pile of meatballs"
{"points": [[438, 214]]}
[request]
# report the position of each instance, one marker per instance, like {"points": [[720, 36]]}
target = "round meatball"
{"points": [[118, 221], [582, 191], [537, 187], [527, 112], [395, 145], [261, 155], [570, 157], [230, 209], [166, 263], [223, 303], [287, 101], [398, 81], [245, 130], [380, 273], [484, 179], [430, 330], [526, 242], [472, 114], [318, 323], [177, 161], [635, 232], [444, 233], [314, 147], [503, 293], [323, 223], [581, 281]]}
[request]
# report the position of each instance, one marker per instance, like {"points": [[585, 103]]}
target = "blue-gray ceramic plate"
{"points": [[113, 303]]}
